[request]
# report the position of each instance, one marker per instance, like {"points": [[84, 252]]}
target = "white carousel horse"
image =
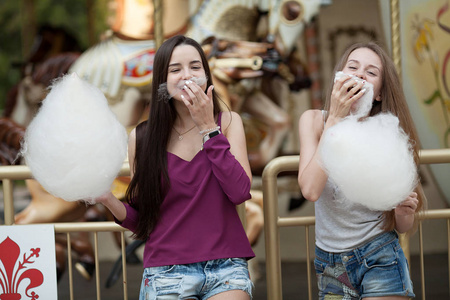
{"points": [[121, 65]]}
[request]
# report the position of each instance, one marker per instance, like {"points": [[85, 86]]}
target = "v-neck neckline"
{"points": [[185, 160]]}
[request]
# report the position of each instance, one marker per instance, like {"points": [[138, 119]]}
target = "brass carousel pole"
{"points": [[90, 12], [158, 25], [396, 57], [28, 26], [395, 36]]}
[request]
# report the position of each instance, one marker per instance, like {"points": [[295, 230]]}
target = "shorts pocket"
{"points": [[385, 257], [319, 266], [238, 269], [162, 281], [164, 285]]}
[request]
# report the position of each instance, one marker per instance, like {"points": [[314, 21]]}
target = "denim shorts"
{"points": [[376, 269], [196, 281]]}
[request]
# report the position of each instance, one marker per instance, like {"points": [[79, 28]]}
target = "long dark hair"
{"points": [[150, 181], [393, 100]]}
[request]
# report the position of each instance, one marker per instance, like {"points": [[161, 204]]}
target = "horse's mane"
{"points": [[53, 67], [51, 40], [43, 73]]}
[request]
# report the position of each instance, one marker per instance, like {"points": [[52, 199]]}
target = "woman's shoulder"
{"points": [[312, 119], [230, 121], [229, 117], [313, 116]]}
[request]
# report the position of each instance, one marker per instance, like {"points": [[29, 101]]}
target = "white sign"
{"points": [[27, 262]]}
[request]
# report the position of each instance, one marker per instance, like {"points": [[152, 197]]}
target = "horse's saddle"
{"points": [[115, 63]]}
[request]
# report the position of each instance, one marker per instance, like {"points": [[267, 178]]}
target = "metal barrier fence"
{"points": [[272, 221], [9, 174]]}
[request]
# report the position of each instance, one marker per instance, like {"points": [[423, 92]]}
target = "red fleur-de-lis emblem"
{"points": [[13, 271]]}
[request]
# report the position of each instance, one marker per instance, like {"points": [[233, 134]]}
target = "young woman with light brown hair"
{"points": [[358, 255]]}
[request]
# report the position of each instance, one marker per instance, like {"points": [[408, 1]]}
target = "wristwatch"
{"points": [[210, 135]]}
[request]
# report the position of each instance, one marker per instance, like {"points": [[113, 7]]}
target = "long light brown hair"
{"points": [[392, 100]]}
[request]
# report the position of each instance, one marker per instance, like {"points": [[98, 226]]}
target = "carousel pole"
{"points": [[158, 16], [28, 26], [396, 58], [395, 36], [90, 5]]}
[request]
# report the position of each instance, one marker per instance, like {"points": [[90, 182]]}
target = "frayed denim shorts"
{"points": [[196, 281], [376, 269]]}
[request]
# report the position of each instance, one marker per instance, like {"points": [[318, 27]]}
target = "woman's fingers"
{"points": [[354, 89], [199, 104], [209, 92], [345, 92], [186, 101], [196, 94], [408, 206]]}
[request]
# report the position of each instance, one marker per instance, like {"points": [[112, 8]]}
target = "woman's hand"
{"points": [[345, 92], [104, 198], [404, 213], [200, 105], [113, 204], [408, 206]]}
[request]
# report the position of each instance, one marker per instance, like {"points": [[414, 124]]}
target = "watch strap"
{"points": [[210, 135]]}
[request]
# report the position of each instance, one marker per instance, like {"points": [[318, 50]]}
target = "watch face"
{"points": [[214, 133], [210, 135]]}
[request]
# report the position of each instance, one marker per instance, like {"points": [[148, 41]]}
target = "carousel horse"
{"points": [[121, 65], [237, 33]]}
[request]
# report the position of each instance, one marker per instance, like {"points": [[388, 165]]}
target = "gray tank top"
{"points": [[340, 224]]}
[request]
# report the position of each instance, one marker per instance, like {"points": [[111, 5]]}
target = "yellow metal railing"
{"points": [[9, 174], [272, 221], [95, 228]]}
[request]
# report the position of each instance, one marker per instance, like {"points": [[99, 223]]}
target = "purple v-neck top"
{"points": [[198, 220]]}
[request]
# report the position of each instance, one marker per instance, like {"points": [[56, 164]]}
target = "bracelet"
{"points": [[209, 130]]}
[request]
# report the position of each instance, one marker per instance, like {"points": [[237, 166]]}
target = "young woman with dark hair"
{"points": [[189, 170]]}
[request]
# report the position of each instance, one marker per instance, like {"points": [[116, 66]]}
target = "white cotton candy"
{"points": [[163, 89], [370, 161], [363, 105], [75, 146]]}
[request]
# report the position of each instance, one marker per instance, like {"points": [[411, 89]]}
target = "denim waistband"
{"points": [[359, 253]]}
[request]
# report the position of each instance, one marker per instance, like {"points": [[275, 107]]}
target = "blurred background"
{"points": [[283, 56]]}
